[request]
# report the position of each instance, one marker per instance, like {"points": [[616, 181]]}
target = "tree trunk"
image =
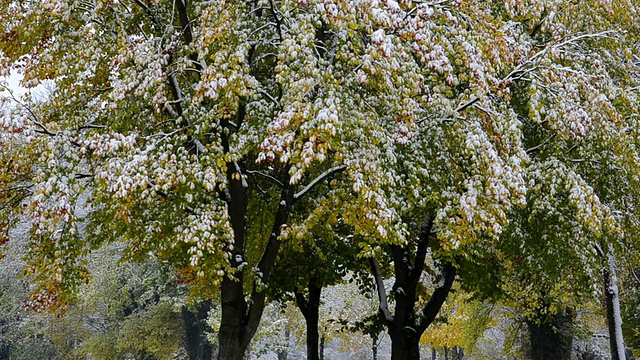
{"points": [[234, 308], [239, 319], [198, 347], [374, 347], [405, 344], [231, 334], [310, 309], [407, 324], [313, 337], [614, 320], [551, 337]]}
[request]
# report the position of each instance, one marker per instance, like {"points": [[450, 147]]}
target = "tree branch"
{"points": [[302, 302], [382, 293], [187, 35], [421, 252], [265, 266], [318, 180], [184, 21], [34, 118], [537, 147], [278, 182], [462, 107], [521, 68]]}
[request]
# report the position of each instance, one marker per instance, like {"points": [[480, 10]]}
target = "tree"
{"points": [[204, 130], [190, 132], [568, 112], [307, 266]]}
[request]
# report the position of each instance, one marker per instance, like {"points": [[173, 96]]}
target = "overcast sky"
{"points": [[13, 83]]}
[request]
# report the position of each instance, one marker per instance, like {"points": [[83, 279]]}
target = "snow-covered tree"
{"points": [[209, 132]]}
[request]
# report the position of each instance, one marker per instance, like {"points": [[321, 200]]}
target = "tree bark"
{"points": [[310, 309], [405, 344], [551, 337], [234, 308], [239, 320], [232, 328], [614, 320]]}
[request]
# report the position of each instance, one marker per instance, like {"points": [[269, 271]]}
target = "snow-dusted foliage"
{"points": [[199, 127]]}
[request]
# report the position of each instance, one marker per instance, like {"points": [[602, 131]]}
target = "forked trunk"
{"points": [[407, 323]]}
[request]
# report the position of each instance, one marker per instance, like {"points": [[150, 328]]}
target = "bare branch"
{"points": [[537, 147], [421, 252], [521, 68], [635, 276], [34, 118], [382, 292], [268, 95], [252, 172], [462, 107], [143, 5], [318, 180], [92, 126]]}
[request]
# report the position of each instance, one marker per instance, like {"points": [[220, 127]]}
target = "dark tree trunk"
{"points": [[405, 344], [234, 309], [407, 324], [239, 319], [310, 309], [374, 347], [198, 347], [614, 320], [233, 324], [551, 337]]}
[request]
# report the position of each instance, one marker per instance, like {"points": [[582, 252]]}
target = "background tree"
{"points": [[305, 269]]}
